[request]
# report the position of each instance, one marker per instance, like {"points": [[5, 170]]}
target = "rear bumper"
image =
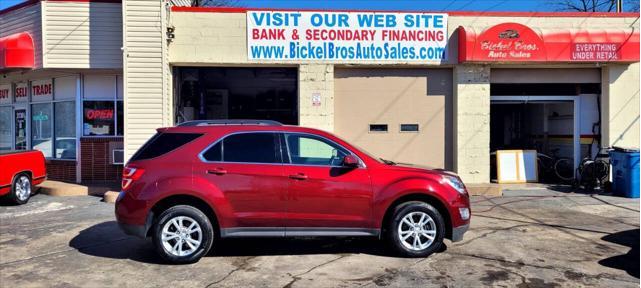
{"points": [[137, 230], [134, 230], [457, 232], [131, 217]]}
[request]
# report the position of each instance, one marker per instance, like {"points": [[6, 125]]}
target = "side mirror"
{"points": [[350, 161]]}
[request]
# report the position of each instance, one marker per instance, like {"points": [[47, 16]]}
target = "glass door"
{"points": [[20, 118]]}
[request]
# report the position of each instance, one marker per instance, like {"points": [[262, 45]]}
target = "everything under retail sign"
{"points": [[346, 36]]}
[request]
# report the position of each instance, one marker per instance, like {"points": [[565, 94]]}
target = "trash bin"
{"points": [[625, 172]]}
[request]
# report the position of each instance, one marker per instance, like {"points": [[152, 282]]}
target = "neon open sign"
{"points": [[99, 114]]}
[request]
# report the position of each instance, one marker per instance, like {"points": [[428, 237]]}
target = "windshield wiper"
{"points": [[388, 162]]}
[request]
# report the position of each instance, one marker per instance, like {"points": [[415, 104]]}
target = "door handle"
{"points": [[299, 176], [217, 171]]}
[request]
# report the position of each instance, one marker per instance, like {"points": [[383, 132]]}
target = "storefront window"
{"points": [[99, 118], [5, 128], [41, 128], [65, 130]]}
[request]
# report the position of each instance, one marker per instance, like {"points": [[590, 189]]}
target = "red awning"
{"points": [[514, 42], [16, 51]]}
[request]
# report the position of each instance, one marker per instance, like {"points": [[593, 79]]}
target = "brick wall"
{"points": [[95, 160], [316, 79], [61, 170], [472, 123]]}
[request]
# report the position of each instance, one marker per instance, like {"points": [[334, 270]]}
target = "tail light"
{"points": [[129, 175]]}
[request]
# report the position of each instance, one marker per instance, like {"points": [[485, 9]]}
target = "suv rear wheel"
{"points": [[183, 234], [417, 229]]}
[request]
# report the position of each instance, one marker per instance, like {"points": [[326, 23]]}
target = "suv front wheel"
{"points": [[417, 229], [183, 234]]}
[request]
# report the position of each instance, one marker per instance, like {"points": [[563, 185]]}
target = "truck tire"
{"points": [[20, 189]]}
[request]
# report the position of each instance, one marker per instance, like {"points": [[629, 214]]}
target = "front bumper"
{"points": [[457, 232]]}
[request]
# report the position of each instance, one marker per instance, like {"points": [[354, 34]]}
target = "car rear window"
{"points": [[251, 148], [246, 148], [163, 143]]}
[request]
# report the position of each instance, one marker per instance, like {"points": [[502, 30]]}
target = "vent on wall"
{"points": [[409, 127], [117, 156], [377, 127]]}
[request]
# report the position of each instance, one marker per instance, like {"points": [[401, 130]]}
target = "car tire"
{"points": [[188, 233], [416, 219], [21, 189]]}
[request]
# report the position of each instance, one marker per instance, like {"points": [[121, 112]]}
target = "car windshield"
{"points": [[381, 160]]}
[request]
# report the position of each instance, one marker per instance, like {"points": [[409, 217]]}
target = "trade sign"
{"points": [[346, 36], [42, 90]]}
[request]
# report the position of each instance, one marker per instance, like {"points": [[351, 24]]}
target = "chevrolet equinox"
{"points": [[203, 180]]}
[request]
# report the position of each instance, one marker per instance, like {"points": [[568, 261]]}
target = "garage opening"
{"points": [[561, 128], [236, 93]]}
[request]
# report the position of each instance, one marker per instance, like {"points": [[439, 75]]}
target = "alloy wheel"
{"points": [[417, 231], [181, 236], [23, 188]]}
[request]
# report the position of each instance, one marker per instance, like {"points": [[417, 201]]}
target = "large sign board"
{"points": [[515, 42], [346, 36]]}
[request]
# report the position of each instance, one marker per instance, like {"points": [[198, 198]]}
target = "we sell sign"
{"points": [[346, 36]]}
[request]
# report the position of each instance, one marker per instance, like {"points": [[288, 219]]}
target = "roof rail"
{"points": [[230, 122]]}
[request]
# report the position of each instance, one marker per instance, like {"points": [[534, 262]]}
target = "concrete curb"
{"points": [[485, 189], [56, 188], [110, 196]]}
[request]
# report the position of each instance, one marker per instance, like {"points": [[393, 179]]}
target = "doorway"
{"points": [[21, 129], [548, 124], [206, 93]]}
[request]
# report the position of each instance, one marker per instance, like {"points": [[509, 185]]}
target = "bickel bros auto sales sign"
{"points": [[346, 36]]}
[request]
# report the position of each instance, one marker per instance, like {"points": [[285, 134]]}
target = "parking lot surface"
{"points": [[527, 238]]}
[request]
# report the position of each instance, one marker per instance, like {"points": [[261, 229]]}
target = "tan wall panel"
{"points": [[620, 105], [394, 97]]}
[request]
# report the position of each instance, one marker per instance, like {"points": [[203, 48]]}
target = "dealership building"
{"points": [[88, 82]]}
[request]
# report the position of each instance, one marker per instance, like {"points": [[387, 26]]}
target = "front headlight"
{"points": [[456, 183]]}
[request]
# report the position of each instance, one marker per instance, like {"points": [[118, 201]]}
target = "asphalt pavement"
{"points": [[527, 238]]}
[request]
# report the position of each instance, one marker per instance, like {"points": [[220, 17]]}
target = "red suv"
{"points": [[203, 180]]}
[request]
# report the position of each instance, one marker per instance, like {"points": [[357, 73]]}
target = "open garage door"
{"points": [[204, 93]]}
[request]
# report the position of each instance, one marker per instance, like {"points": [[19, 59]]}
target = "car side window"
{"points": [[246, 148], [215, 153], [311, 150]]}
